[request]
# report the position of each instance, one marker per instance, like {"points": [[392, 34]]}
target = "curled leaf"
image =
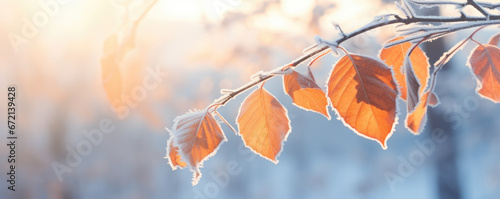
{"points": [[394, 57], [198, 136], [485, 63], [305, 93], [363, 93], [174, 159], [263, 124]]}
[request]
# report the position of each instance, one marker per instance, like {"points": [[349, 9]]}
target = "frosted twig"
{"points": [[477, 5], [337, 26], [438, 31], [437, 3], [279, 71], [402, 9], [226, 91], [259, 75], [309, 48]]}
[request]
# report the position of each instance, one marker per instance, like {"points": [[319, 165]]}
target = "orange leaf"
{"points": [[494, 40], [485, 63], [263, 124], [111, 74], [395, 56], [363, 92], [415, 120], [174, 159], [305, 93], [198, 137]]}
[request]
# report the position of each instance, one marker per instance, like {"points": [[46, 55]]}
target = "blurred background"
{"points": [[55, 53]]}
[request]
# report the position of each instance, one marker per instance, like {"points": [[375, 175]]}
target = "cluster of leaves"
{"points": [[362, 91]]}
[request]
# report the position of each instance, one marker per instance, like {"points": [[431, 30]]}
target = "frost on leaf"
{"points": [[305, 93], [394, 57], [363, 92], [174, 159], [415, 121], [263, 124], [198, 136], [485, 63]]}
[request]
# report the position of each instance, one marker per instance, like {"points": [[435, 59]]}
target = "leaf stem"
{"points": [[447, 56]]}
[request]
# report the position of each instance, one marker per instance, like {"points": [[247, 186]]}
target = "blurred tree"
{"points": [[446, 152]]}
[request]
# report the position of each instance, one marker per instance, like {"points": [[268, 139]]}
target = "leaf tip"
{"points": [[433, 100], [196, 177]]}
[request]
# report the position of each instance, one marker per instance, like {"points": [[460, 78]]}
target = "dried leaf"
{"points": [[198, 136], [263, 124], [395, 57], [485, 63], [174, 159], [363, 92], [305, 93]]}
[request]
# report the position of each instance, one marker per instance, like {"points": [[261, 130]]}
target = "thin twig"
{"points": [[447, 56], [432, 3], [136, 23], [227, 123], [438, 31], [478, 8]]}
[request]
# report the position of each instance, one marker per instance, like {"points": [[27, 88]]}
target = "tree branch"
{"points": [[373, 25]]}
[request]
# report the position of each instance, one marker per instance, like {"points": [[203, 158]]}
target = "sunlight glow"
{"points": [[181, 11]]}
